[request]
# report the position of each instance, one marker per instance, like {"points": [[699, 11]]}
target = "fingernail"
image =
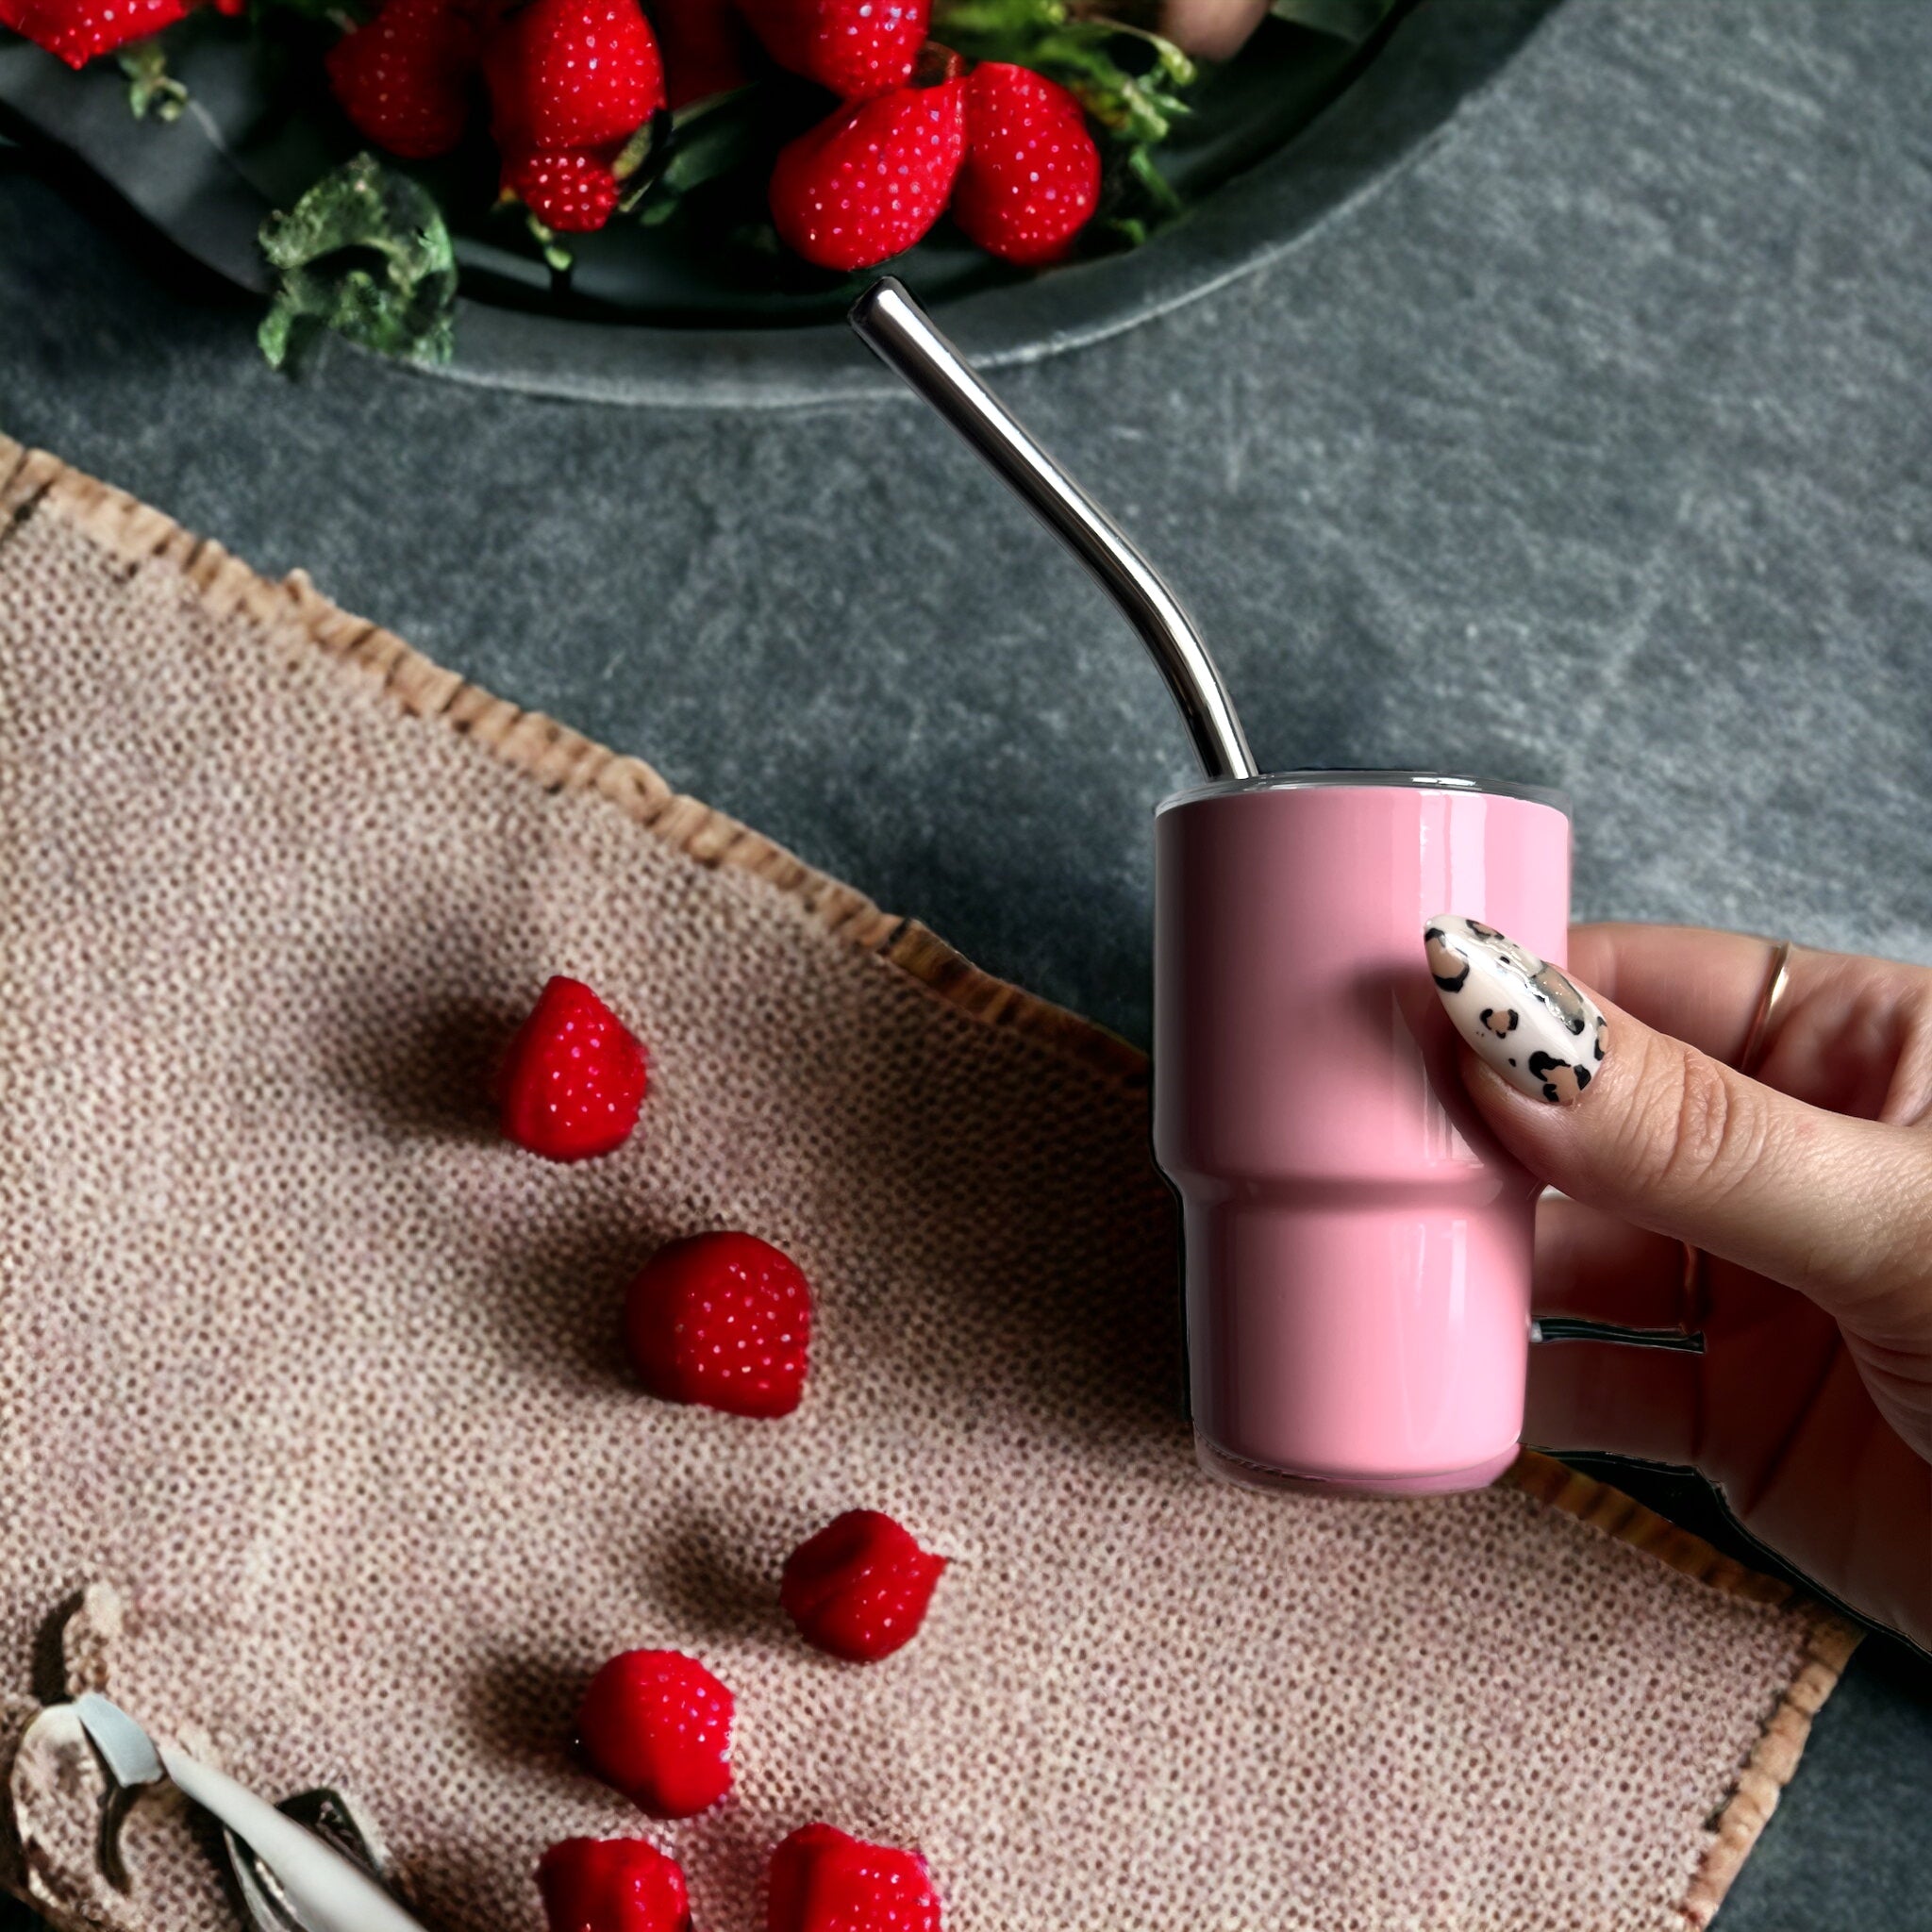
{"points": [[1521, 1014]]}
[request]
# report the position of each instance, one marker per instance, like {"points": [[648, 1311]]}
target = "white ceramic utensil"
{"points": [[324, 1890]]}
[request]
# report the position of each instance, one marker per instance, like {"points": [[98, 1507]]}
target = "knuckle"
{"points": [[1704, 1134], [1903, 1214]]}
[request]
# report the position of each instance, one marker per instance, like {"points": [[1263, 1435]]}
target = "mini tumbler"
{"points": [[1357, 1247]]}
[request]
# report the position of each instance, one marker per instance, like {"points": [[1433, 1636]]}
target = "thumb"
{"points": [[1634, 1122]]}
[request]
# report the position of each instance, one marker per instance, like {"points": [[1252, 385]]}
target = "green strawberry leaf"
{"points": [[365, 253], [703, 141], [1155, 189], [710, 137], [151, 89], [557, 256]]}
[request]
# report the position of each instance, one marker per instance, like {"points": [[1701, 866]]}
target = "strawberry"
{"points": [[1031, 176], [824, 1881], [404, 78], [571, 73], [612, 1885], [873, 178], [77, 30], [724, 1320], [704, 46], [657, 1725], [860, 1586], [857, 48], [573, 1078], [571, 192]]}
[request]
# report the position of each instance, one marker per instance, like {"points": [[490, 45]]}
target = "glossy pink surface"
{"points": [[1357, 1250]]}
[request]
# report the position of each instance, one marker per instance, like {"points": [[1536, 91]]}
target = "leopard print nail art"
{"points": [[1521, 1014]]}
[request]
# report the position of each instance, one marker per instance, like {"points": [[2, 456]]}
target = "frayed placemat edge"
{"points": [[33, 482], [1829, 1641]]}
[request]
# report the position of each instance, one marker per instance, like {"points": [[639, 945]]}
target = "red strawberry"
{"points": [[1031, 176], [404, 78], [77, 30], [859, 1587], [612, 1885], [823, 1881], [704, 49], [573, 1078], [871, 179], [571, 192], [724, 1320], [857, 48], [571, 73], [657, 1725]]}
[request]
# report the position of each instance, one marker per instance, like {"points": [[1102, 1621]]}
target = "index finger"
{"points": [[1701, 985]]}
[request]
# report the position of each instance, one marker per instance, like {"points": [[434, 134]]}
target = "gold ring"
{"points": [[1776, 981], [1696, 1292]]}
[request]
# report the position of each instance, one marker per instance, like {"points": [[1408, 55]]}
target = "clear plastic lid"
{"points": [[1418, 781]]}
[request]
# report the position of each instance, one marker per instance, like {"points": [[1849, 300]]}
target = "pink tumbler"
{"points": [[1357, 1247]]}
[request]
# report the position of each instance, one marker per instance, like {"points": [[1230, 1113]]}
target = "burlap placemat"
{"points": [[317, 1448]]}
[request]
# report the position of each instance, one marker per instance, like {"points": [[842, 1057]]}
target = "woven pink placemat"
{"points": [[318, 1451]]}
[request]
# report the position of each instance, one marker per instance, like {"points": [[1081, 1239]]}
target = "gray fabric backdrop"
{"points": [[1591, 447]]}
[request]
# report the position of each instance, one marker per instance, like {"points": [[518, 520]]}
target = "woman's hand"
{"points": [[1808, 1187]]}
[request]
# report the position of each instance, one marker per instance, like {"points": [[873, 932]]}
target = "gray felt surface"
{"points": [[1592, 448]]}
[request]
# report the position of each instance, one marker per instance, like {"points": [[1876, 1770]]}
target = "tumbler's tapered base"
{"points": [[1252, 1475]]}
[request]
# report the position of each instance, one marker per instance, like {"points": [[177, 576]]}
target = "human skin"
{"points": [[1808, 1187]]}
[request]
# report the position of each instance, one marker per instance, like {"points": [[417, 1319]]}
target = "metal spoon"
{"points": [[899, 332]]}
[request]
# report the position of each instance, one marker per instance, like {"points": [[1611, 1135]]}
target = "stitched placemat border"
{"points": [[33, 482]]}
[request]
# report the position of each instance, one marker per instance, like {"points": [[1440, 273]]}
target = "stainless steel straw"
{"points": [[899, 332]]}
